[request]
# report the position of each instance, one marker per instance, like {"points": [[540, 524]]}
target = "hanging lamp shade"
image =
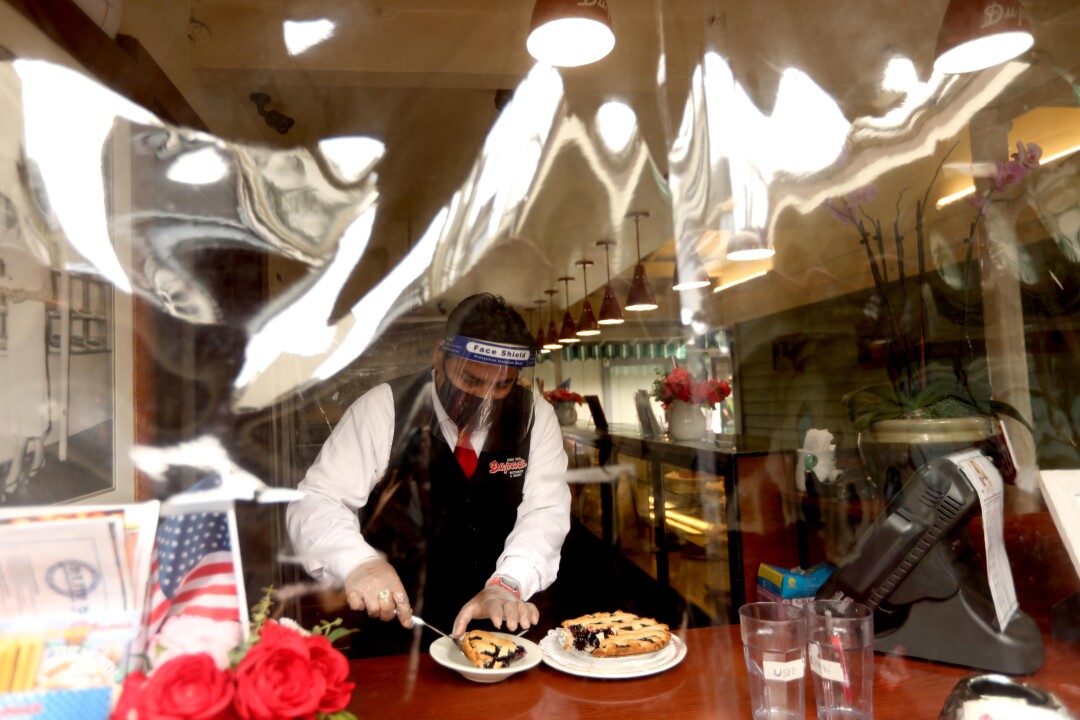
{"points": [[977, 34], [587, 325], [610, 312], [749, 245], [568, 331], [551, 340], [569, 33], [690, 272], [641, 296]]}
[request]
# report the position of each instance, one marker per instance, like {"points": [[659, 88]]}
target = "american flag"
{"points": [[194, 571]]}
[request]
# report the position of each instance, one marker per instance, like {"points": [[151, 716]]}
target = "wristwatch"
{"points": [[507, 583]]}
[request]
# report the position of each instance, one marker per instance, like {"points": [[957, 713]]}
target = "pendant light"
{"points": [[552, 337], [587, 325], [568, 331], [641, 296], [690, 272], [540, 329], [570, 33], [977, 34], [610, 312], [749, 245]]}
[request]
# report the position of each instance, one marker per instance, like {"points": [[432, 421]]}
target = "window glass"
{"points": [[234, 238]]}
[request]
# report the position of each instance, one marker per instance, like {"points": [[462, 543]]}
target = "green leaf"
{"points": [[340, 715], [1004, 408], [339, 633], [260, 613]]}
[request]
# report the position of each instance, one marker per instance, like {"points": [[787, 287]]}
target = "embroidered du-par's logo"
{"points": [[513, 467]]}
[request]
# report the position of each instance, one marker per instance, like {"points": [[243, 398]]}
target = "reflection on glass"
{"points": [[302, 35]]}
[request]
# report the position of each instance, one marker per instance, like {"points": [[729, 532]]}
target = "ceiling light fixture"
{"points": [[977, 34], [587, 325], [749, 245], [610, 312], [568, 331], [540, 328], [690, 272], [570, 33], [552, 336], [277, 120], [641, 296]]}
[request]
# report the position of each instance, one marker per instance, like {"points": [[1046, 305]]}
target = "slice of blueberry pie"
{"points": [[616, 634], [488, 650]]}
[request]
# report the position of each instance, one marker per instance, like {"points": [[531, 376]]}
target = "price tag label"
{"points": [[825, 668]]}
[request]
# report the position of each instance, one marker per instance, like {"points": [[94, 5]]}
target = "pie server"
{"points": [[420, 621]]}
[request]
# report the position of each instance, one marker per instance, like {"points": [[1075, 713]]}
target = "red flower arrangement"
{"points": [[680, 385], [561, 394], [280, 671]]}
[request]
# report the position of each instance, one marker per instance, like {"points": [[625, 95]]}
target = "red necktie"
{"points": [[465, 455]]}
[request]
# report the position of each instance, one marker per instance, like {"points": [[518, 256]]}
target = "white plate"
{"points": [[582, 664], [445, 652]]}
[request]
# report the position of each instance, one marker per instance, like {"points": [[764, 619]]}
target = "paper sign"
{"points": [[63, 567]]}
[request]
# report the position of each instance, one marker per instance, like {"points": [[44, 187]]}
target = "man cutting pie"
{"points": [[443, 490]]}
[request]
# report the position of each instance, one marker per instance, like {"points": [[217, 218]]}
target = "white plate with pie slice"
{"points": [[582, 664], [446, 652]]}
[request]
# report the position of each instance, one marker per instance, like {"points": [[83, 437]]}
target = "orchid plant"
{"points": [[912, 392]]}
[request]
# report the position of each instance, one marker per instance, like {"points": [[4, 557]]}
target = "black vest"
{"points": [[442, 531]]}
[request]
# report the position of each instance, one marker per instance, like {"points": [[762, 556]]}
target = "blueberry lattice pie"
{"points": [[616, 634], [487, 650]]}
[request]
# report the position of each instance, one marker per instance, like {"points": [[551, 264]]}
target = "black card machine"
{"points": [[915, 568]]}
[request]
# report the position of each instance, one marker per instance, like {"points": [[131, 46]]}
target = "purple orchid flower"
{"points": [[1027, 155]]}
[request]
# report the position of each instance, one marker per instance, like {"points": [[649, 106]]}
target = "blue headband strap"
{"points": [[489, 352]]}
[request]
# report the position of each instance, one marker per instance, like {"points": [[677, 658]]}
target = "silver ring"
{"points": [[384, 594]]}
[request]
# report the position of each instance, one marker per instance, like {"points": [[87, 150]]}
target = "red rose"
{"points": [[334, 669], [130, 702], [276, 680], [188, 687]]}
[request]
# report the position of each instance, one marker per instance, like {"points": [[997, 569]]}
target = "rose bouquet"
{"points": [[561, 394], [201, 670], [679, 384]]}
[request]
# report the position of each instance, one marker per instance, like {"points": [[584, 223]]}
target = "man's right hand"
{"points": [[374, 586]]}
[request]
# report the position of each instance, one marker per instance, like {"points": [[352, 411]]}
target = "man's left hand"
{"points": [[499, 605]]}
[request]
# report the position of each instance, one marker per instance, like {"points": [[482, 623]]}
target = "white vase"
{"points": [[566, 413], [686, 421]]}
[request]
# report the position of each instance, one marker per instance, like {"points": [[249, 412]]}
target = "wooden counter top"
{"points": [[709, 683]]}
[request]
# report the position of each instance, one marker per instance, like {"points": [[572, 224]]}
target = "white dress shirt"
{"points": [[324, 526]]}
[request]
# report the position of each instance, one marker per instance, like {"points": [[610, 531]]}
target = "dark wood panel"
{"points": [[124, 65]]}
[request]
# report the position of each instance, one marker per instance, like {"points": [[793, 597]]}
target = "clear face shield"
{"points": [[485, 384]]}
